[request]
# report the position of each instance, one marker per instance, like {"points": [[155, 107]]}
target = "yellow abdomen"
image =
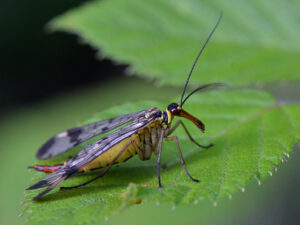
{"points": [[108, 156]]}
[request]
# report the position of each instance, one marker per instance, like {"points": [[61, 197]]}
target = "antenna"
{"points": [[203, 88], [188, 79]]}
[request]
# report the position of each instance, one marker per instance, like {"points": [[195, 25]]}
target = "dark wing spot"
{"points": [[74, 134], [104, 128], [45, 147], [111, 120]]}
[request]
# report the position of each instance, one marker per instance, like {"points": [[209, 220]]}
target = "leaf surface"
{"points": [[251, 136], [256, 42]]}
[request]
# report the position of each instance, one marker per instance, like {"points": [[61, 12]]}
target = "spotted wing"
{"points": [[72, 137], [90, 153]]}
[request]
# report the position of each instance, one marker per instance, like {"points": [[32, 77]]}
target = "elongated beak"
{"points": [[196, 121]]}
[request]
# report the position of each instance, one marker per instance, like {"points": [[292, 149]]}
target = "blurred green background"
{"points": [[49, 82]]}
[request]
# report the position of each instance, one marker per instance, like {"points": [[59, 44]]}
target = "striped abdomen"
{"points": [[145, 142]]}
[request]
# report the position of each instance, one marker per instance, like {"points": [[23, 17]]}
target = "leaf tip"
{"points": [[270, 173], [286, 154], [257, 179]]}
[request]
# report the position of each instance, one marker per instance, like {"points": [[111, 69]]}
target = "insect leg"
{"points": [[159, 148], [175, 138], [189, 135], [104, 171]]}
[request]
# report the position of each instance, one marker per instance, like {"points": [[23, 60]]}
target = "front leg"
{"points": [[188, 133], [159, 149], [175, 138]]}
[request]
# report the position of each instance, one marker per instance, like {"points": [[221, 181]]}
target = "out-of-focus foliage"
{"points": [[256, 42], [251, 135]]}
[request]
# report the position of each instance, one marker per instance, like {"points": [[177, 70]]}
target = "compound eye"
{"points": [[175, 111]]}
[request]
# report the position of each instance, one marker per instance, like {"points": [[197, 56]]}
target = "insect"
{"points": [[143, 133]]}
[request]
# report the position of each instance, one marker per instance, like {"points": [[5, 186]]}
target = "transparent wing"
{"points": [[68, 139]]}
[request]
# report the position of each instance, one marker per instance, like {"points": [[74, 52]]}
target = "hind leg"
{"points": [[174, 138]]}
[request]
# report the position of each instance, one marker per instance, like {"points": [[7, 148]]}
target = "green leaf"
{"points": [[252, 135], [256, 42]]}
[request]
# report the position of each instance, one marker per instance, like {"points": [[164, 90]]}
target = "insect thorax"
{"points": [[164, 117]]}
